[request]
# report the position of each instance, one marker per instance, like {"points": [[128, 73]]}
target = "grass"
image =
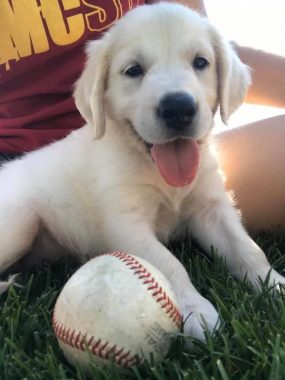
{"points": [[250, 344]]}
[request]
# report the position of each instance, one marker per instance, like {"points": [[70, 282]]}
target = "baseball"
{"points": [[116, 307]]}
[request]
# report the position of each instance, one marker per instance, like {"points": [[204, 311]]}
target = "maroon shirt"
{"points": [[41, 56]]}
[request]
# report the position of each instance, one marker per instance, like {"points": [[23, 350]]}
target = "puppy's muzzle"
{"points": [[177, 111]]}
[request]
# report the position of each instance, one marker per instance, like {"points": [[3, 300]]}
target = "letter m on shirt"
{"points": [[22, 32]]}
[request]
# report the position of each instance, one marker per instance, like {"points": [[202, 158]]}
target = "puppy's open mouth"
{"points": [[177, 160]]}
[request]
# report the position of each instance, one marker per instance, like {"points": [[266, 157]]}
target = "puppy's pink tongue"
{"points": [[177, 161]]}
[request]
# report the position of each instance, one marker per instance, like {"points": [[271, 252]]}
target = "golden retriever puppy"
{"points": [[143, 169]]}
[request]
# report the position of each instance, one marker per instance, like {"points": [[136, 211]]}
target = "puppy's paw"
{"points": [[276, 280], [5, 285], [199, 317], [270, 277]]}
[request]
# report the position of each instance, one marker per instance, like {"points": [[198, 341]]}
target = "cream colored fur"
{"points": [[98, 189]]}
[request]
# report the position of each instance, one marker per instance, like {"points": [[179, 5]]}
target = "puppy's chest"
{"points": [[173, 214]]}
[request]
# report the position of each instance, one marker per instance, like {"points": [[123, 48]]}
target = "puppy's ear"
{"points": [[90, 87], [233, 78]]}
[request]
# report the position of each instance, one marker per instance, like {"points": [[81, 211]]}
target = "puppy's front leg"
{"points": [[215, 222], [135, 237]]}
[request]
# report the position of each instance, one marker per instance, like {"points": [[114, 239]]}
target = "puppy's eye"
{"points": [[200, 63], [134, 71]]}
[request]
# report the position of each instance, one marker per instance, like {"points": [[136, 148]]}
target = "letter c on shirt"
{"points": [[63, 30]]}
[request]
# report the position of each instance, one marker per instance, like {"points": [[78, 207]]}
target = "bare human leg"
{"points": [[253, 160]]}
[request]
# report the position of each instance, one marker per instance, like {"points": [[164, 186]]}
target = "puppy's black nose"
{"points": [[177, 110]]}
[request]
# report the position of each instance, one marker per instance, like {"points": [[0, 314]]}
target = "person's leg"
{"points": [[253, 160]]}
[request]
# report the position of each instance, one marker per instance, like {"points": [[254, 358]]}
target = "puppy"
{"points": [[143, 169]]}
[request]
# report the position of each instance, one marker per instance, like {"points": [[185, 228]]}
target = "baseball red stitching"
{"points": [[104, 350], [152, 285]]}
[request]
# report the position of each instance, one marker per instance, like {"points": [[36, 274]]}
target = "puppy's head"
{"points": [[163, 70]]}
